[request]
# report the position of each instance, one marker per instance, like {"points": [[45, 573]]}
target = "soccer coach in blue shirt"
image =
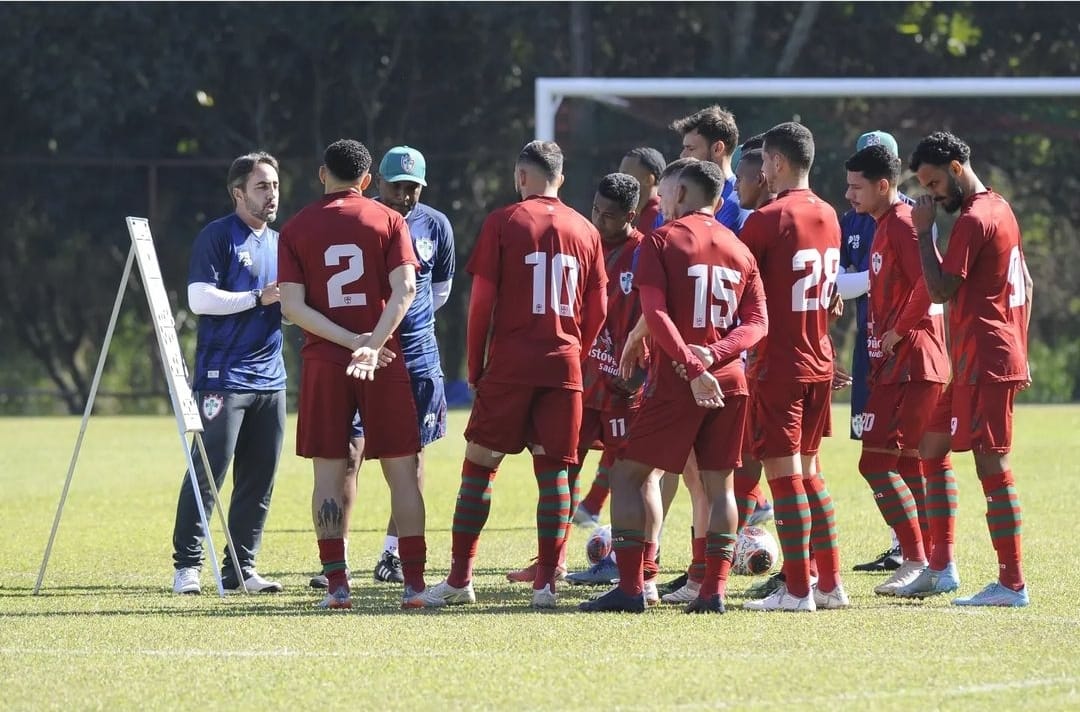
{"points": [[239, 373]]}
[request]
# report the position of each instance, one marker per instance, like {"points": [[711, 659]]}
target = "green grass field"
{"points": [[107, 633]]}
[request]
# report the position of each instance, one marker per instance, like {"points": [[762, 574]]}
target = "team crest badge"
{"points": [[856, 425], [212, 404], [407, 163], [875, 262], [425, 248], [626, 281]]}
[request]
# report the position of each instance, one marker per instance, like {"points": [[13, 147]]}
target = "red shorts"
{"points": [[941, 415], [982, 417], [789, 417], [748, 431], [329, 399], [896, 414], [508, 416], [606, 429], [667, 431]]}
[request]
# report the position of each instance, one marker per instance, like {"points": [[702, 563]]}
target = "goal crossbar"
{"points": [[550, 91]]}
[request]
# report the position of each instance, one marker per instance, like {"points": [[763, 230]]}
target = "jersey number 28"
{"points": [[827, 263]]}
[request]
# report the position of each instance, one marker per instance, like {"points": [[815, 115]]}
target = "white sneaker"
{"points": [[255, 584], [652, 595], [687, 593], [428, 598], [833, 600], [906, 574], [781, 600], [186, 581], [450, 595], [544, 598]]}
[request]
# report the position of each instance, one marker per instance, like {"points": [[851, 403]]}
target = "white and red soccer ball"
{"points": [[598, 546], [756, 552]]}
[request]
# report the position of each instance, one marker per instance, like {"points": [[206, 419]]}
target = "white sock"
{"points": [[390, 544]]}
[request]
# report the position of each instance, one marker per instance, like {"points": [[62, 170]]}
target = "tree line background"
{"points": [[137, 109]]}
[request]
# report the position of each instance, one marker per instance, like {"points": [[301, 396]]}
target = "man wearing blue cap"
{"points": [[856, 236], [402, 177]]}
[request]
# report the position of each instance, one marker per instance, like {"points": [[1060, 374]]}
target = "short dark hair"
{"points": [[793, 141], [676, 167], [875, 162], [242, 167], [753, 143], [545, 155], [940, 149], [620, 188], [650, 158], [715, 123], [707, 176], [754, 155], [347, 159]]}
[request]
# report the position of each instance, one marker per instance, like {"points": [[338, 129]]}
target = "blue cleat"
{"points": [[614, 601], [996, 595], [931, 583], [602, 573], [762, 513]]}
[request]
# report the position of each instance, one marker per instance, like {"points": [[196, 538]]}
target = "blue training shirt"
{"points": [[856, 238], [731, 215], [242, 351], [433, 241]]}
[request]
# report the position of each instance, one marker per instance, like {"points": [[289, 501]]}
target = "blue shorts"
{"points": [[430, 398], [860, 389]]}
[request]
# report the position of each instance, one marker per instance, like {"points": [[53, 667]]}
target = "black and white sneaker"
{"points": [[673, 585], [253, 583], [388, 570], [890, 560]]}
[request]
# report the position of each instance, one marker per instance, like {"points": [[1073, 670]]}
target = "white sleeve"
{"points": [[440, 293], [853, 284], [205, 298]]}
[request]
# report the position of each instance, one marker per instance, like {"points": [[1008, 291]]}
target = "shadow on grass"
{"points": [[382, 530]]}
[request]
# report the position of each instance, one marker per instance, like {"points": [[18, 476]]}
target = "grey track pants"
{"points": [[247, 430]]}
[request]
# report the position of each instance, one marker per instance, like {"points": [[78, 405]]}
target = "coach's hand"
{"points": [[706, 390], [840, 379], [923, 214]]}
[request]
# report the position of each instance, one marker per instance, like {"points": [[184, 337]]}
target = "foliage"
{"points": [[137, 109]]}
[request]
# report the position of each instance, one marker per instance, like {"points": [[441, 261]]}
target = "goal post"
{"points": [[549, 92]]}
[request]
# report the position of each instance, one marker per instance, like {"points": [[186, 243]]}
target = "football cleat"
{"points": [[527, 574], [761, 514], [428, 598], [781, 600], [685, 594], [544, 598], [906, 574], [996, 595], [602, 573], [254, 583], [450, 595], [674, 584], [833, 600], [388, 570], [890, 560], [339, 600], [931, 583], [319, 581], [614, 601], [713, 604]]}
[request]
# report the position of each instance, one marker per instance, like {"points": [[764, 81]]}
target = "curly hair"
{"points": [[939, 149], [620, 188], [347, 159]]}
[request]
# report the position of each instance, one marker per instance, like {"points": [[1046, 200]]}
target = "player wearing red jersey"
{"points": [[702, 299], [348, 274], [796, 240], [985, 280], [646, 165], [539, 289], [908, 364]]}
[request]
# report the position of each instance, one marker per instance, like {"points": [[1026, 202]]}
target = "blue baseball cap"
{"points": [[403, 163], [878, 138]]}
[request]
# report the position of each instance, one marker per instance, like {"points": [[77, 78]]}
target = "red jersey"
{"points": [[623, 310], [704, 272], [796, 241], [543, 257], [988, 315], [649, 215], [342, 248], [899, 302]]}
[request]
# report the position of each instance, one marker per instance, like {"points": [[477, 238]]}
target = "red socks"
{"points": [[792, 515], [470, 516], [332, 556], [413, 552]]}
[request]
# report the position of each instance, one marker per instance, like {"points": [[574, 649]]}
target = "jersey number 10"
{"points": [[564, 272]]}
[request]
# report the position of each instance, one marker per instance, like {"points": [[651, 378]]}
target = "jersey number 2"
{"points": [[564, 271], [354, 270]]}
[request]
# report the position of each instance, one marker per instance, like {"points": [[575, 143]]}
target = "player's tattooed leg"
{"points": [[330, 519]]}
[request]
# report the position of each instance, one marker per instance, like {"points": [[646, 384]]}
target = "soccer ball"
{"points": [[598, 546], [756, 552]]}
